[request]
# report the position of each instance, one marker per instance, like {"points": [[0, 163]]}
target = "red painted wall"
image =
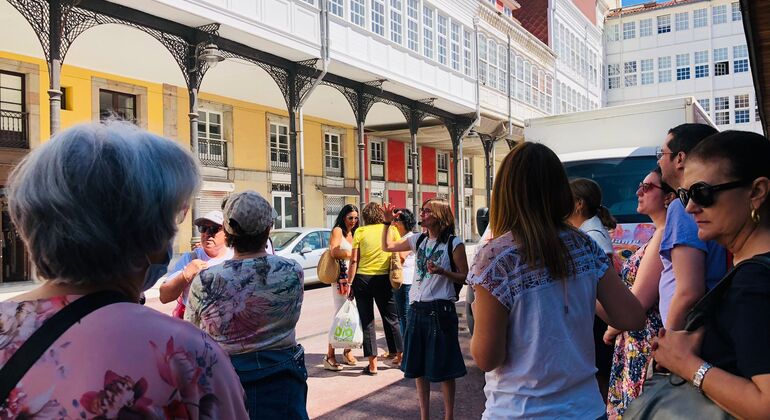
{"points": [[397, 198], [428, 160], [588, 7], [396, 161], [427, 195]]}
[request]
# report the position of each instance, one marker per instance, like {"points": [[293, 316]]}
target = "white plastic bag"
{"points": [[346, 332]]}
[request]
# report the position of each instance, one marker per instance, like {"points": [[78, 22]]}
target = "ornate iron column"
{"points": [[488, 143], [414, 116], [458, 129]]}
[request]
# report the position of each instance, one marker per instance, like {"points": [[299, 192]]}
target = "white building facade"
{"points": [[695, 47]]}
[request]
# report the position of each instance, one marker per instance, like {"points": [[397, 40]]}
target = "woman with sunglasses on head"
{"points": [[726, 189], [341, 246], [537, 282], [641, 274]]}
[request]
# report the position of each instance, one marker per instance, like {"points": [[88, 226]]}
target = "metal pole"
{"points": [[415, 175], [361, 163], [457, 151], [54, 92], [196, 205], [293, 164]]}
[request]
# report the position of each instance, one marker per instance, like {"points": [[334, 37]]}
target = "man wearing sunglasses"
{"points": [[212, 251], [690, 266]]}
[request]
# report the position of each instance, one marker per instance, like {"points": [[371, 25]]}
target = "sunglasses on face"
{"points": [[648, 186], [426, 210], [703, 194], [351, 218], [209, 229]]}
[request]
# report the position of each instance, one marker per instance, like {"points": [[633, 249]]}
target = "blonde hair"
{"points": [[532, 199], [442, 212]]}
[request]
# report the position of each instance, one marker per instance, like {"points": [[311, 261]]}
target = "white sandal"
{"points": [[328, 365]]}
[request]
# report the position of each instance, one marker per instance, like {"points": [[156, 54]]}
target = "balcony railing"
{"points": [[212, 152], [378, 170], [13, 129], [443, 177], [468, 180], [279, 160]]}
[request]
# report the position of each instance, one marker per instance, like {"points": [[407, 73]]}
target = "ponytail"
{"points": [[606, 218]]}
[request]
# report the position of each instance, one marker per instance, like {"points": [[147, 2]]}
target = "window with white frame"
{"points": [[664, 69], [520, 78], [337, 7], [701, 64], [396, 22], [410, 163], [548, 94], [358, 12], [705, 104], [613, 33], [483, 59], [378, 17], [736, 9], [279, 147], [740, 59], [629, 72], [682, 21], [682, 66], [664, 24], [722, 110], [442, 166], [376, 160], [467, 173], [613, 76], [427, 31], [442, 28], [645, 27], [492, 57], [700, 18], [534, 88], [212, 147], [721, 63], [467, 52], [629, 30], [741, 105], [719, 14], [333, 155], [527, 82], [647, 67], [454, 55], [413, 24]]}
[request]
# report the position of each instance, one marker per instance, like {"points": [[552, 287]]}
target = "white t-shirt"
{"points": [[428, 287], [549, 366], [409, 263], [594, 228]]}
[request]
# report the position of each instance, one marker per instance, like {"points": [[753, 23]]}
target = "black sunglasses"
{"points": [[703, 194], [210, 229]]}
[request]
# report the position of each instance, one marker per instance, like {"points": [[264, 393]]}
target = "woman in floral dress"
{"points": [[641, 273]]}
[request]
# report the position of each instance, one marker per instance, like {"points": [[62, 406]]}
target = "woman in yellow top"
{"points": [[369, 269]]}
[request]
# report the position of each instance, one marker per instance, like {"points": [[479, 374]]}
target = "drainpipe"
{"points": [[510, 111], [324, 18]]}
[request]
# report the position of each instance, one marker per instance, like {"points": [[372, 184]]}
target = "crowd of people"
{"points": [[559, 331]]}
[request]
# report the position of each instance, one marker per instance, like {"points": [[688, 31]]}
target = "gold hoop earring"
{"points": [[755, 216]]}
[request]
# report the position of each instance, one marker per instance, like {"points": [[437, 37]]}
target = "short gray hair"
{"points": [[94, 200]]}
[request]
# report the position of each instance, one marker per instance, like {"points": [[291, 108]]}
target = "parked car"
{"points": [[304, 245]]}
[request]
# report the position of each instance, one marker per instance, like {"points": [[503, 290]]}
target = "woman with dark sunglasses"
{"points": [[727, 184], [641, 273]]}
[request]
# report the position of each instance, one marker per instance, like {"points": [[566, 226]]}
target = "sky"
{"points": [[633, 2]]}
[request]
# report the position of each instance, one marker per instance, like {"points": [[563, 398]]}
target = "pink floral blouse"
{"points": [[121, 361]]}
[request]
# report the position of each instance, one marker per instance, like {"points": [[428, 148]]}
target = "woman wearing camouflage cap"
{"points": [[250, 305]]}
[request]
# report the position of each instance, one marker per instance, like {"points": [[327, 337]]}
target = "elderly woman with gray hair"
{"points": [[97, 207], [250, 305]]}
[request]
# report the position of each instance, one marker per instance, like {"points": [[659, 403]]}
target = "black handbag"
{"points": [[667, 396], [36, 345]]}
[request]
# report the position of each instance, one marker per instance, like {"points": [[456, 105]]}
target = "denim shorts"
{"points": [[275, 382], [431, 346]]}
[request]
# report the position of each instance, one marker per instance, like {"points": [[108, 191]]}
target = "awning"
{"points": [[499, 129], [346, 191]]}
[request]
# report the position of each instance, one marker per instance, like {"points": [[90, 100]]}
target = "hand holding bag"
{"points": [[667, 396], [396, 271], [346, 331]]}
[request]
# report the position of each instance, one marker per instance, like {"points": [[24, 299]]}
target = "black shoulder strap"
{"points": [[697, 316], [37, 344], [450, 251], [419, 241]]}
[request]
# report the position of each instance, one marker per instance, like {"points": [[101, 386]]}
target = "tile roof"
{"points": [[533, 16], [646, 7]]}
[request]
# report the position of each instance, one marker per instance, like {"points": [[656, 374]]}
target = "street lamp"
{"points": [[211, 55]]}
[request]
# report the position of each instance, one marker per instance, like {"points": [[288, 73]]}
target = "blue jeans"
{"points": [[402, 306], [275, 382]]}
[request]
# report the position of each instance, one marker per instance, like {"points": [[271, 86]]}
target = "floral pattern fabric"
{"points": [[122, 361], [633, 350], [248, 305]]}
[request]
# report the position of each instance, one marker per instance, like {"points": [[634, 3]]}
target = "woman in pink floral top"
{"points": [[97, 207]]}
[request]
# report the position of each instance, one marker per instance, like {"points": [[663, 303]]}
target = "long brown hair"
{"points": [[442, 212], [531, 199], [590, 193]]}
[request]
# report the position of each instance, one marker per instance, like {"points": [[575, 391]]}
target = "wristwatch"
{"points": [[697, 378]]}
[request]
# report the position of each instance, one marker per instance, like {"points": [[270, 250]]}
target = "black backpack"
{"points": [[452, 266]]}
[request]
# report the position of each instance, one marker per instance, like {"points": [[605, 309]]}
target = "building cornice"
{"points": [[520, 37]]}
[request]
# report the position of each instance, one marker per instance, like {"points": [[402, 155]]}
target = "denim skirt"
{"points": [[431, 346], [275, 382]]}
